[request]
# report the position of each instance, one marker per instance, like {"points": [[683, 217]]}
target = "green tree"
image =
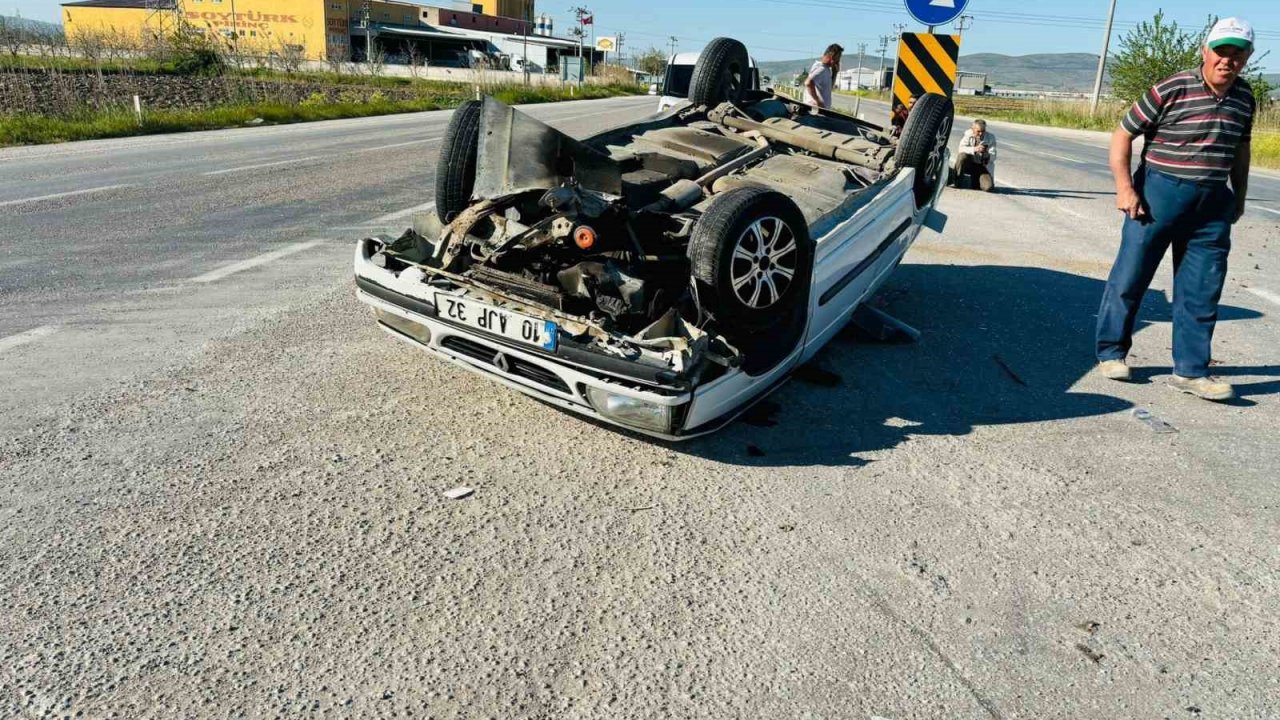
{"points": [[1149, 53], [1262, 88], [651, 61], [1154, 50]]}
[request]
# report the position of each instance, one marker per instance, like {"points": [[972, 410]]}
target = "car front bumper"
{"points": [[606, 389]]}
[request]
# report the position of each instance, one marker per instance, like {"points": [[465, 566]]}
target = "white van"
{"points": [[675, 84]]}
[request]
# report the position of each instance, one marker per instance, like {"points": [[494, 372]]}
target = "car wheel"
{"points": [[752, 258], [456, 168], [722, 73], [923, 145]]}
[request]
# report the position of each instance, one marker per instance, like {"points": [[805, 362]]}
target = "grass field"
{"points": [[1266, 140], [88, 124]]}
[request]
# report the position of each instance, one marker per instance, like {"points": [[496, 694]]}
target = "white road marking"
{"points": [[55, 196], [1064, 157], [1265, 294], [396, 145], [254, 262], [262, 165], [380, 221], [30, 336], [1274, 212]]}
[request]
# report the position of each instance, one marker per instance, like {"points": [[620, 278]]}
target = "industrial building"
{"points": [[505, 30]]}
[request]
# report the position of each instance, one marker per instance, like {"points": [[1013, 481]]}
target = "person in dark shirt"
{"points": [[1187, 192], [899, 118]]}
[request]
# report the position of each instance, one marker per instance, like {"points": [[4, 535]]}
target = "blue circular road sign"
{"points": [[936, 12]]}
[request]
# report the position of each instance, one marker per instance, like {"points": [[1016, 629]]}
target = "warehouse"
{"points": [[316, 29]]}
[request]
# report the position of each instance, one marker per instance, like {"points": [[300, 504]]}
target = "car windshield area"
{"points": [[676, 83]]}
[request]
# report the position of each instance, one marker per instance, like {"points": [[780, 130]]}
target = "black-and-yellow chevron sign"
{"points": [[926, 64]]}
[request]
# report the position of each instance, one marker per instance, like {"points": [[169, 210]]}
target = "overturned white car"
{"points": [[665, 275]]}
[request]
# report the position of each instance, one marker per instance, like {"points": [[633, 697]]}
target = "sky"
{"points": [[797, 29]]}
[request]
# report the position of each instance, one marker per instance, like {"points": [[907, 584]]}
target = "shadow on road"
{"points": [[1001, 345]]}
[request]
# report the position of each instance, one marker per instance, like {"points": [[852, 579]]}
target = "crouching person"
{"points": [[976, 161]]}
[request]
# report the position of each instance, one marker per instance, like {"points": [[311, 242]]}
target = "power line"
{"points": [[1010, 18]]}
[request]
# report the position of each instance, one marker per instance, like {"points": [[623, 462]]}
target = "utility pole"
{"points": [[1102, 61], [884, 48], [581, 13], [235, 34], [964, 22], [673, 39], [898, 29], [857, 84], [368, 33], [621, 37]]}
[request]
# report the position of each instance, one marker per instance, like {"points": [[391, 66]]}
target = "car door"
{"points": [[853, 258]]}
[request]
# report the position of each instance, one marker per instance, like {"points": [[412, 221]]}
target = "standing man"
{"points": [[1198, 126], [817, 87]]}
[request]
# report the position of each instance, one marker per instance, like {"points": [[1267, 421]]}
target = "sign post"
{"points": [[926, 61], [606, 45], [926, 64]]}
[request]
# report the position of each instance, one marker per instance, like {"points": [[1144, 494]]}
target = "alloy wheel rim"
{"points": [[933, 169], [764, 263]]}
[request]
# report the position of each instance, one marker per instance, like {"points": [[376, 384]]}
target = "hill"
{"points": [[32, 26], [1065, 72], [1061, 71]]}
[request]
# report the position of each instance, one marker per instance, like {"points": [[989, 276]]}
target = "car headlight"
{"points": [[631, 411]]}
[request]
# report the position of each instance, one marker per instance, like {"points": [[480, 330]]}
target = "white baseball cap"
{"points": [[1231, 31]]}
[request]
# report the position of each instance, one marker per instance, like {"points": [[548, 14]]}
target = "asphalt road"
{"points": [[220, 484]]}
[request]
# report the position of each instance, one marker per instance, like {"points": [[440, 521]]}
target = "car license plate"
{"points": [[496, 321]]}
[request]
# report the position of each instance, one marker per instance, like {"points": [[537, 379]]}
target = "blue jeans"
{"points": [[1195, 218]]}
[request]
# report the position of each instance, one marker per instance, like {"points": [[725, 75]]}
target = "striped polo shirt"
{"points": [[1190, 132]]}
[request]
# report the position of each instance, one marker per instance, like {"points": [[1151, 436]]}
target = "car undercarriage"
{"points": [[681, 247]]}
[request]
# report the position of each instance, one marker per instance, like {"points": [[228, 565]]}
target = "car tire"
{"points": [[752, 259], [722, 73], [923, 144], [456, 167]]}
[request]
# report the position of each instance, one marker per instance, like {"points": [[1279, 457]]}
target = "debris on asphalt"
{"points": [[642, 507], [458, 493], [786, 528], [814, 375], [1156, 424], [761, 414], [1008, 370], [1090, 627], [754, 451], [1096, 657]]}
